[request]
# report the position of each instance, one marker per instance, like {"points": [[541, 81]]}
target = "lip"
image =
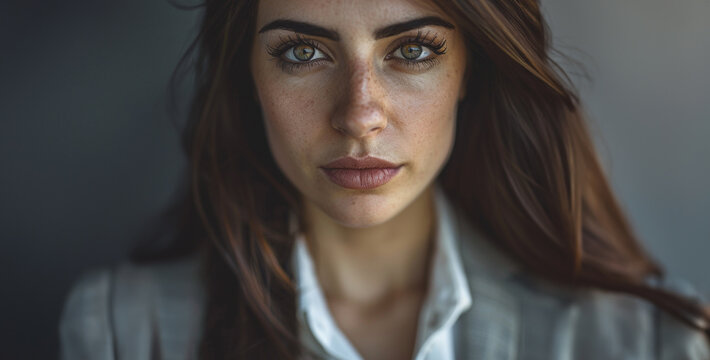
{"points": [[360, 174]]}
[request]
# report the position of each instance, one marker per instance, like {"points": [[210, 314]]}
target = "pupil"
{"points": [[411, 51], [303, 52]]}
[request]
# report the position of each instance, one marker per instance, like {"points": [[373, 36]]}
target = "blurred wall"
{"points": [[88, 153], [648, 99], [89, 156]]}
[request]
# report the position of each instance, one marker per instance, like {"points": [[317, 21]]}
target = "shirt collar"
{"points": [[448, 295], [313, 312]]}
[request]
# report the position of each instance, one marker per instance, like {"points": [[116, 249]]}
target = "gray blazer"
{"points": [[155, 312]]}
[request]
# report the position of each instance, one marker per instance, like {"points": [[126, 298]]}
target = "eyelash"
{"points": [[437, 47], [422, 39], [288, 43]]}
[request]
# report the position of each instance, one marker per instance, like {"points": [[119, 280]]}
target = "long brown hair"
{"points": [[523, 170]]}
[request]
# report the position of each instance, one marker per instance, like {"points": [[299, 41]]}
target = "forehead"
{"points": [[346, 14]]}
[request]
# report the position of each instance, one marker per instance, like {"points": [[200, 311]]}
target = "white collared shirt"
{"points": [[448, 296]]}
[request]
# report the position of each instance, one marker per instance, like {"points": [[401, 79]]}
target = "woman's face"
{"points": [[341, 82]]}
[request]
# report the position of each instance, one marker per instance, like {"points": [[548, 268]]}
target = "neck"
{"points": [[370, 265]]}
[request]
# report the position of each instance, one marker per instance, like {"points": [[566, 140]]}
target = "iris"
{"points": [[303, 52], [411, 51]]}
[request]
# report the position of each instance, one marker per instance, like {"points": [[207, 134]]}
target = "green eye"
{"points": [[303, 52], [411, 51]]}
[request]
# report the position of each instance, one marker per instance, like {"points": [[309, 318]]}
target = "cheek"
{"points": [[285, 115], [292, 121], [429, 114]]}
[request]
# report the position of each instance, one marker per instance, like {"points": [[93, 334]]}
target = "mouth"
{"points": [[360, 174]]}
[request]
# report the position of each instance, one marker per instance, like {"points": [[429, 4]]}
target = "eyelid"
{"points": [[288, 42], [427, 41], [425, 50], [315, 56], [434, 41]]}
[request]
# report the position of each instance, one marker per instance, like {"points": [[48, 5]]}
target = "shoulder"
{"points": [[84, 331], [552, 321], [134, 310], [678, 340], [608, 324]]}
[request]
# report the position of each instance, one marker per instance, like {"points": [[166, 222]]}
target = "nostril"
{"points": [[377, 129]]}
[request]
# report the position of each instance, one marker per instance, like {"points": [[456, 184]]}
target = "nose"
{"points": [[360, 111]]}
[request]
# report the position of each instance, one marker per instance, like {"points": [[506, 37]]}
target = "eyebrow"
{"points": [[301, 27], [387, 31], [399, 28]]}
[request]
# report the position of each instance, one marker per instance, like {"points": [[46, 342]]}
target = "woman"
{"points": [[388, 180]]}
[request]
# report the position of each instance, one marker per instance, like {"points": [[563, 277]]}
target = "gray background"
{"points": [[649, 106], [89, 156]]}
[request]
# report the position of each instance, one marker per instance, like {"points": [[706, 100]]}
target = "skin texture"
{"points": [[357, 97]]}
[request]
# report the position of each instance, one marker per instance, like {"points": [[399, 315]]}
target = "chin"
{"points": [[362, 210]]}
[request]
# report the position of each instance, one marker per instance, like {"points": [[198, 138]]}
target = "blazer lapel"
{"points": [[491, 328]]}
